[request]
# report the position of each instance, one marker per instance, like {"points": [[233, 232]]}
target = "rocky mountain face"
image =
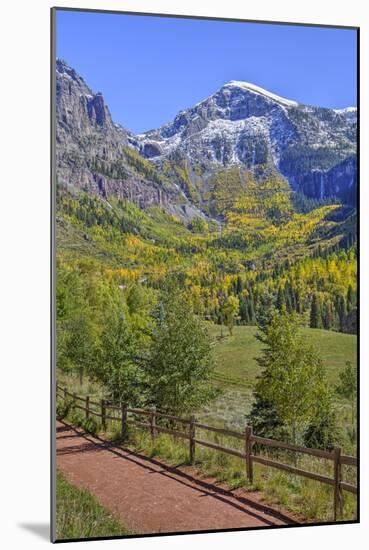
{"points": [[90, 147], [339, 181], [244, 125], [240, 125]]}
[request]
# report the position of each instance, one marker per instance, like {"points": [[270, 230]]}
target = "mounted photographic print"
{"points": [[205, 308]]}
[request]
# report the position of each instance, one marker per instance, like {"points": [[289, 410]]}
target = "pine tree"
{"points": [[315, 313], [281, 299], [265, 309], [244, 312], [265, 420], [350, 298], [239, 285], [288, 296], [342, 311], [327, 316], [299, 304], [251, 310]]}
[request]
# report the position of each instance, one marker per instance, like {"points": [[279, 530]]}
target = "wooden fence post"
{"points": [[152, 422], [87, 407], [338, 502], [124, 419], [103, 414], [248, 449], [192, 439]]}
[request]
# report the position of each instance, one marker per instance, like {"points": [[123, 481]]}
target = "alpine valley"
{"points": [[246, 195]]}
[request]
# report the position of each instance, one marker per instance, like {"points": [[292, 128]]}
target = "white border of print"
{"points": [[25, 230]]}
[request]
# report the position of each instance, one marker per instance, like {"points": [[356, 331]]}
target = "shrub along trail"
{"points": [[151, 497]]}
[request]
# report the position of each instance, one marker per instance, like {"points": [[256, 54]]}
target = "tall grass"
{"points": [[311, 500], [88, 387], [79, 515]]}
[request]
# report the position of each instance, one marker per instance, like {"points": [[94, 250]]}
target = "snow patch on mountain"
{"points": [[346, 110], [258, 90], [350, 113]]}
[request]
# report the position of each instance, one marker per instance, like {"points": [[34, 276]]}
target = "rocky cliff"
{"points": [[90, 147]]}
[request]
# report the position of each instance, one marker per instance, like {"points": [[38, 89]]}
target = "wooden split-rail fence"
{"points": [[250, 439]]}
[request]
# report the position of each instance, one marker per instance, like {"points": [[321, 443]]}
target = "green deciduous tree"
{"points": [[118, 366], [230, 310], [179, 368], [292, 379], [79, 345], [323, 430], [75, 331]]}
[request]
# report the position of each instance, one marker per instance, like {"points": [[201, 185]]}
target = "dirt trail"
{"points": [[151, 497]]}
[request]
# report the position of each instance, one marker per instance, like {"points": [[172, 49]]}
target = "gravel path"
{"points": [[151, 497]]}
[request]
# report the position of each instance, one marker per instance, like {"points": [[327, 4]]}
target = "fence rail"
{"points": [[247, 436]]}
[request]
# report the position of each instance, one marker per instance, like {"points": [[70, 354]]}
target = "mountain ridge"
{"points": [[241, 125]]}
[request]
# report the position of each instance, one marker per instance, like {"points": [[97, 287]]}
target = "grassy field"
{"points": [[79, 515], [237, 370], [236, 355]]}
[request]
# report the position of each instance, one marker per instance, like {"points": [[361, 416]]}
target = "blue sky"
{"points": [[150, 68]]}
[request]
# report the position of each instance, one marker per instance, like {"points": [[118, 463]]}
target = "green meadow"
{"points": [[236, 368]]}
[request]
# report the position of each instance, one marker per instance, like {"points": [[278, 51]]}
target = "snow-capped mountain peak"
{"points": [[243, 124], [261, 91]]}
